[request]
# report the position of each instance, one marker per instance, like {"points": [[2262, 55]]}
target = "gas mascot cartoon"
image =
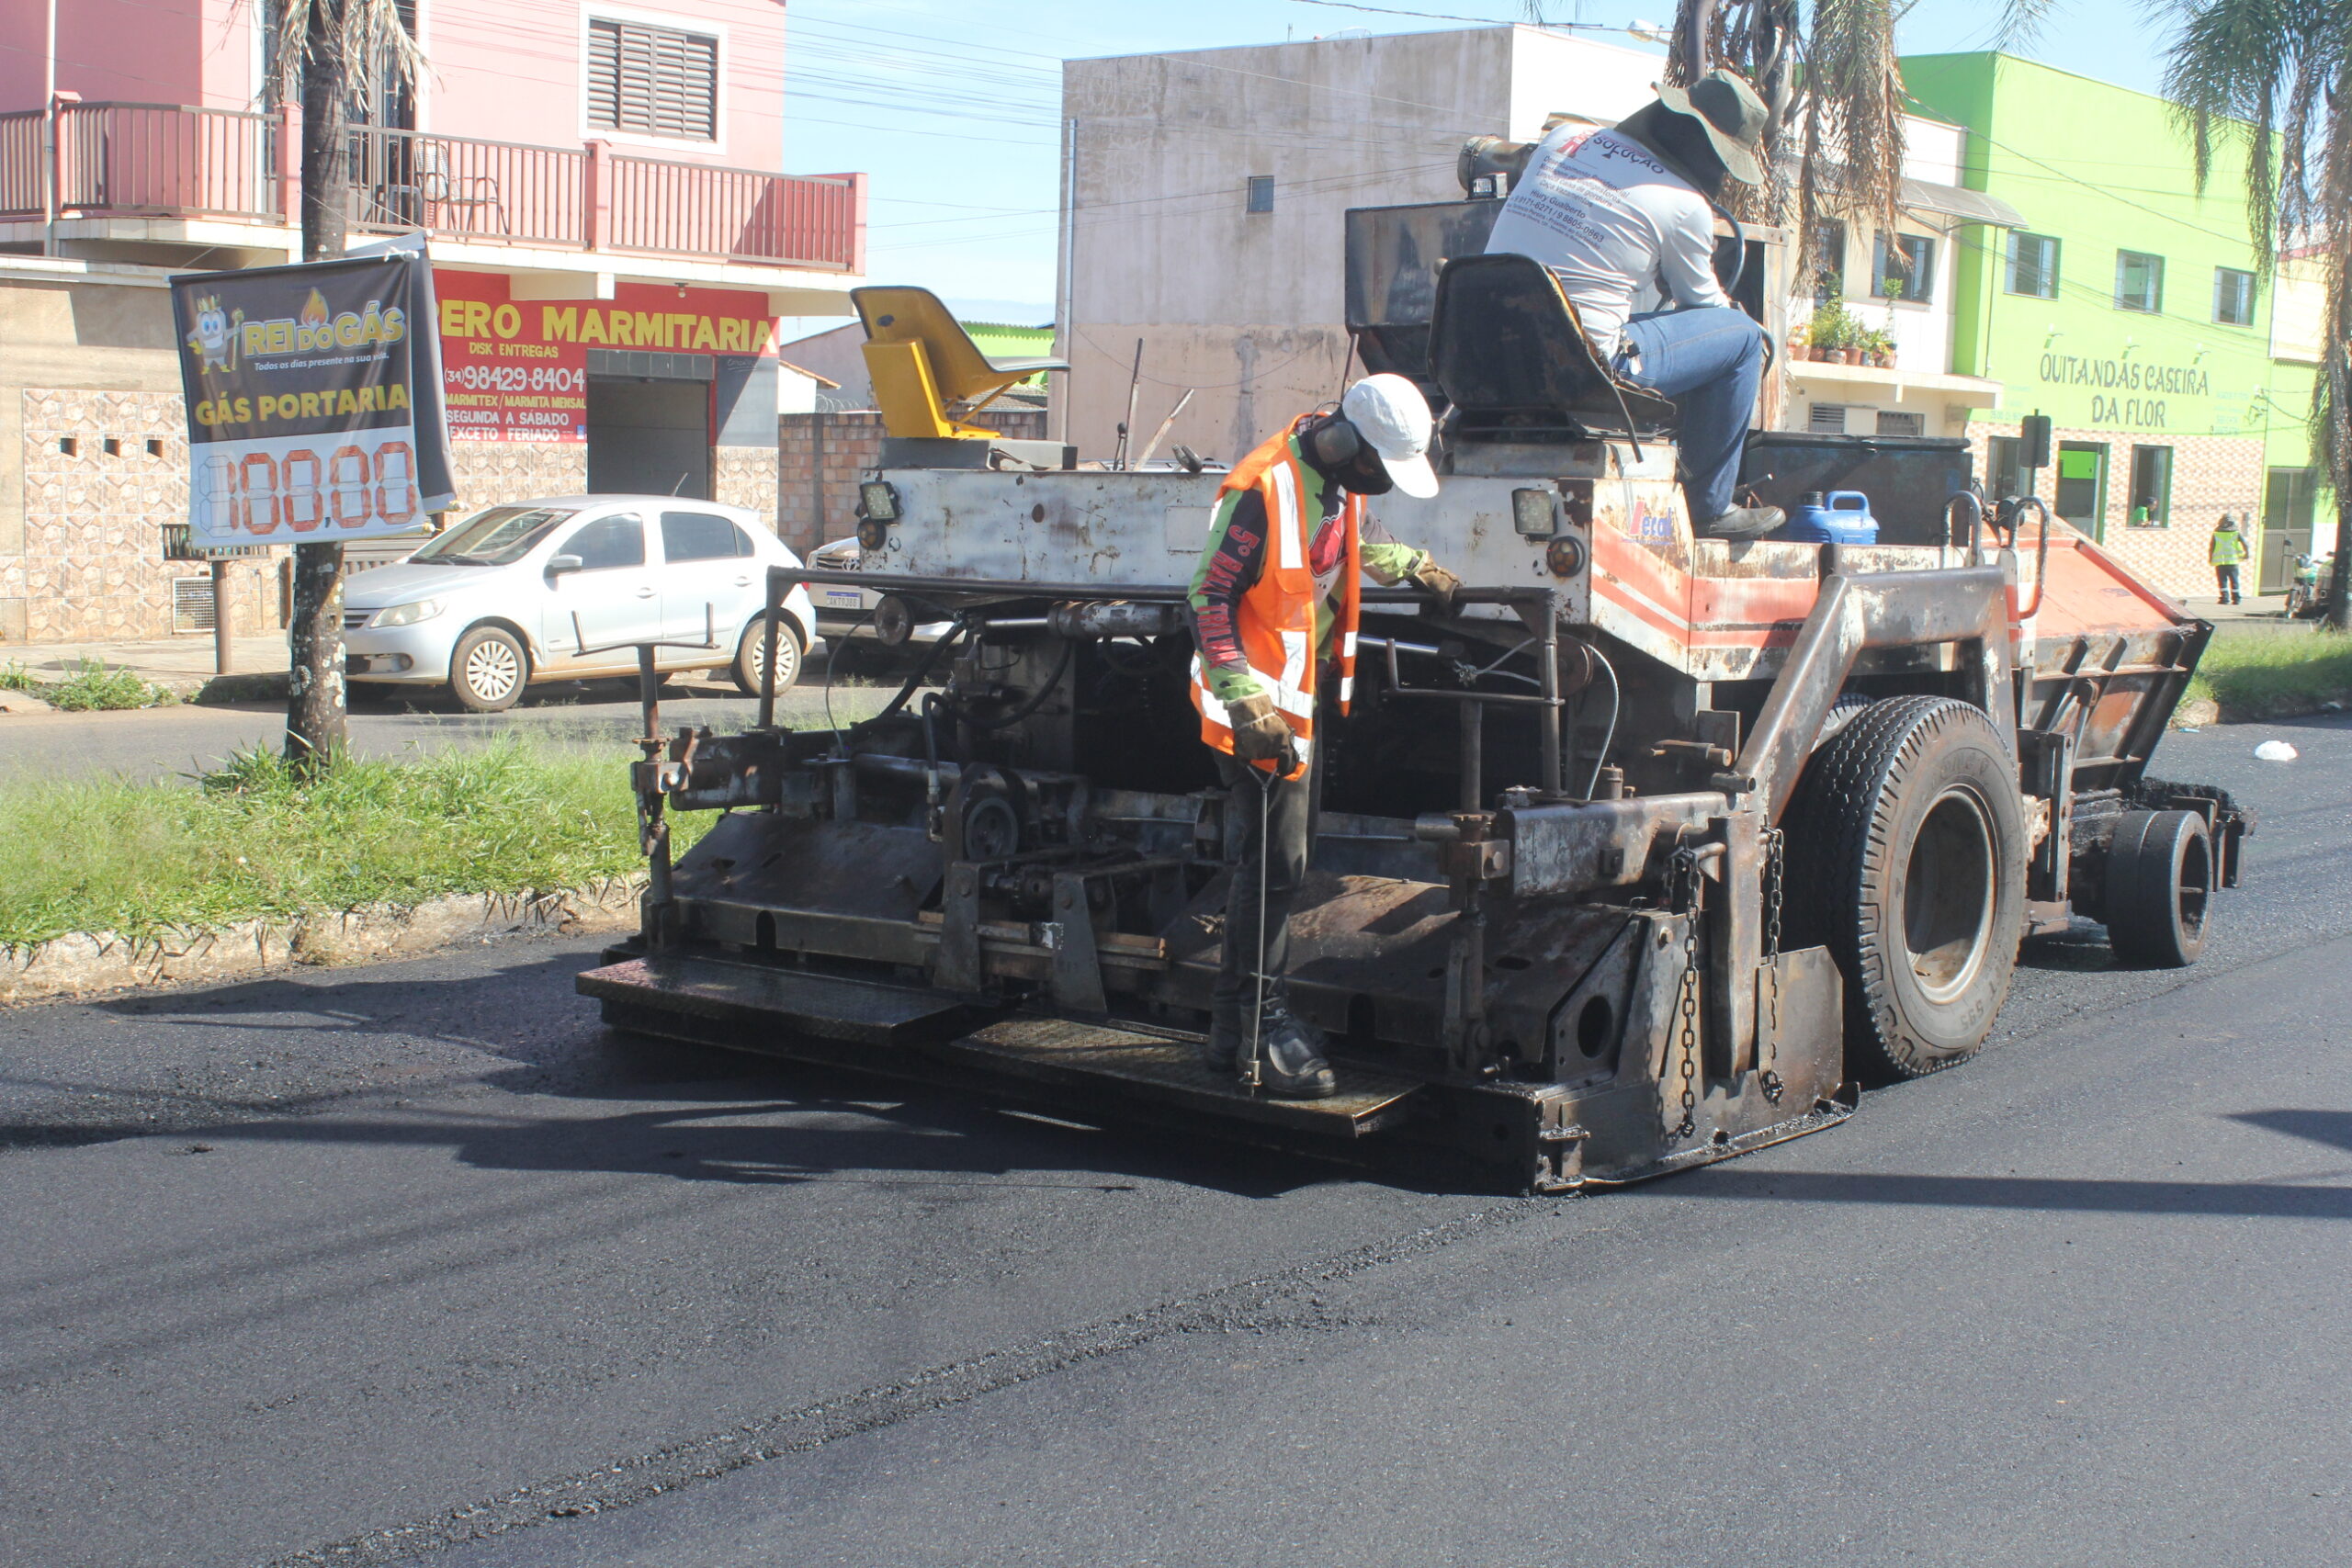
{"points": [[215, 337]]}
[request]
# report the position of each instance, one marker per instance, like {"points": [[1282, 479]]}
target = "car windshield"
{"points": [[499, 537]]}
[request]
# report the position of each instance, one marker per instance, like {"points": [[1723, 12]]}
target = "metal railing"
{"points": [[402, 180], [704, 209], [172, 160], [20, 163], [167, 160]]}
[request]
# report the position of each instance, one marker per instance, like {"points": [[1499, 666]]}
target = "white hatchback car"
{"points": [[565, 588]]}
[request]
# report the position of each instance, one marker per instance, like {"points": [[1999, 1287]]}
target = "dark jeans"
{"points": [[1710, 361], [2225, 578], [1283, 803]]}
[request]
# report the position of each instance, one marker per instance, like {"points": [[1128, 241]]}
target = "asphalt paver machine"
{"points": [[1642, 856]]}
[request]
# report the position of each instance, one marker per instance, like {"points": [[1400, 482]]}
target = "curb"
{"points": [[89, 964]]}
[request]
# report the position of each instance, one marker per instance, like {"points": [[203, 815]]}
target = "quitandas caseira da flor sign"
{"points": [[304, 386]]}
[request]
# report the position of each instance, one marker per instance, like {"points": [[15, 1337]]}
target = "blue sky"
{"points": [[952, 106]]}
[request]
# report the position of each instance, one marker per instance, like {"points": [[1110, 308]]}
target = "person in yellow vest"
{"points": [[2225, 552], [1274, 606]]}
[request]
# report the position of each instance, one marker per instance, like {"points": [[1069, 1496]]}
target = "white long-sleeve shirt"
{"points": [[1615, 225]]}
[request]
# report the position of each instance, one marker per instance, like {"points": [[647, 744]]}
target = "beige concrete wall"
{"points": [[94, 460], [1247, 307]]}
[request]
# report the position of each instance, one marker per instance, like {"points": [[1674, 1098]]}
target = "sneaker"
{"points": [[1290, 1062], [1743, 522]]}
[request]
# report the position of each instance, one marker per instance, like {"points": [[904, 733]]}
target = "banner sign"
{"points": [[303, 387], [517, 369]]}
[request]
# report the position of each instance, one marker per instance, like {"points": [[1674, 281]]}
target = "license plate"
{"points": [[848, 596]]}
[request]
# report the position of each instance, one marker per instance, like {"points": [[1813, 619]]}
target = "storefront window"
{"points": [[2150, 487]]}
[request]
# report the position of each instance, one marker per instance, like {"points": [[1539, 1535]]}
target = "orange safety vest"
{"points": [[1276, 619]]}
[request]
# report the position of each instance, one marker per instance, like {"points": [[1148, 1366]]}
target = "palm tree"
{"points": [[330, 54], [1847, 123]]}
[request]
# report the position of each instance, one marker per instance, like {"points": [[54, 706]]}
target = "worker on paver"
{"points": [[2227, 549], [1275, 607], [1609, 212]]}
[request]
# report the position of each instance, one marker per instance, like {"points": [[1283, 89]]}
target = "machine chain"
{"points": [[1683, 891], [1774, 870]]}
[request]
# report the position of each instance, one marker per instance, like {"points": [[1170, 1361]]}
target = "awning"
{"points": [[1926, 196], [1969, 206]]}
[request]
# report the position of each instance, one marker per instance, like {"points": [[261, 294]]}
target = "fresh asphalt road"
{"points": [[363, 1265], [187, 739]]}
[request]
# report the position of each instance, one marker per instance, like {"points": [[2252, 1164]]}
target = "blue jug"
{"points": [[1842, 517]]}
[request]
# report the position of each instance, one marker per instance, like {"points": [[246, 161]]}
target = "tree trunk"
{"points": [[315, 728], [2339, 576]]}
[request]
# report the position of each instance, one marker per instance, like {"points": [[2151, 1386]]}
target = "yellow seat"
{"points": [[929, 375]]}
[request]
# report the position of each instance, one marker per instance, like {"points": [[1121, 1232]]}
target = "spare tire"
{"points": [[1906, 848]]}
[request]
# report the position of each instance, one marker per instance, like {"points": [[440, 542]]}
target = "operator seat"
{"points": [[1510, 355], [929, 375]]}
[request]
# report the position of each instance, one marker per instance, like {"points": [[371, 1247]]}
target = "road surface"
{"points": [[365, 1265]]}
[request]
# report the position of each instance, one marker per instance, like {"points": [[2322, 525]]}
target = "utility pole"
{"points": [[316, 727]]}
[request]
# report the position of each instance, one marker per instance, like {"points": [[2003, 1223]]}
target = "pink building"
{"points": [[553, 154]]}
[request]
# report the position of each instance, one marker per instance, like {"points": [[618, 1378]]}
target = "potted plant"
{"points": [[1799, 347], [1834, 333], [1878, 349]]}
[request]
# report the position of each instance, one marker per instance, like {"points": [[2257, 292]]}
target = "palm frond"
{"points": [[2021, 21], [375, 44], [1853, 106]]}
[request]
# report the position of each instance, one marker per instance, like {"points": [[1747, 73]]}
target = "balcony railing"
{"points": [[404, 180], [165, 159]]}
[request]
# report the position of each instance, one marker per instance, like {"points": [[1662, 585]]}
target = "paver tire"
{"points": [[1905, 853], [489, 670], [2159, 889], [747, 653]]}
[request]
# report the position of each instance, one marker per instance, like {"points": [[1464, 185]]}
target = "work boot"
{"points": [[1290, 1057], [1743, 522]]}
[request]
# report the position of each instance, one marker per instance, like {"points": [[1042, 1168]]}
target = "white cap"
{"points": [[1393, 417]]}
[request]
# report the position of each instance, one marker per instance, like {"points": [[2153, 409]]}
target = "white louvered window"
{"points": [[653, 81]]}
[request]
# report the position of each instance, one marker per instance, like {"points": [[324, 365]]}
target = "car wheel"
{"points": [[489, 670], [751, 651]]}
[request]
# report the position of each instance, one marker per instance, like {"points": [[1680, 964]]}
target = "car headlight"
{"points": [[406, 614]]}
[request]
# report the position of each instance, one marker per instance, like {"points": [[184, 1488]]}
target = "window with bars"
{"points": [[1891, 422], [1826, 419], [653, 81]]}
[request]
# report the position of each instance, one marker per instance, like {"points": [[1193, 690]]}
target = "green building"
{"points": [[2129, 309]]}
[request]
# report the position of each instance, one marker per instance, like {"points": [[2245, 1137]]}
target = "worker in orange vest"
{"points": [[1274, 609]]}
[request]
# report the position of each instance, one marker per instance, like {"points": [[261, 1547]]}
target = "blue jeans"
{"points": [[1710, 361]]}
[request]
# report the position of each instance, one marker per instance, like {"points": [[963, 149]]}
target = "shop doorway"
{"points": [[2287, 505], [648, 436], [2081, 485]]}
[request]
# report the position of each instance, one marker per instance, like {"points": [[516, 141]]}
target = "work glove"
{"points": [[1259, 734], [1442, 584]]}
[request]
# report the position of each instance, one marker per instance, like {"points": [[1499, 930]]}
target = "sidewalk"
{"points": [[179, 661], [2257, 612]]}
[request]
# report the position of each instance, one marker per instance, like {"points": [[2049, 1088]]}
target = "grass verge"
{"points": [[94, 685], [2270, 674], [248, 841]]}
